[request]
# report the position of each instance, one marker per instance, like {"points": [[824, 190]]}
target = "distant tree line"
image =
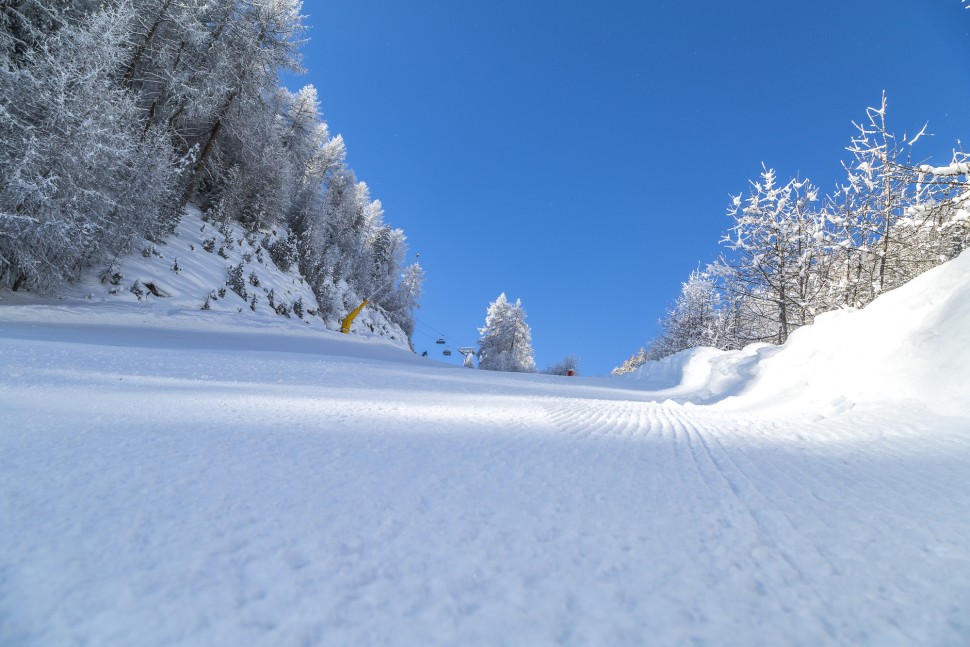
{"points": [[793, 252], [115, 115]]}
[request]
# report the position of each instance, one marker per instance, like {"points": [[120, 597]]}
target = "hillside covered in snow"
{"points": [[215, 271], [124, 124], [173, 475]]}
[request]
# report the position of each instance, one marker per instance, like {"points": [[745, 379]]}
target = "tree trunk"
{"points": [[140, 50], [207, 149]]}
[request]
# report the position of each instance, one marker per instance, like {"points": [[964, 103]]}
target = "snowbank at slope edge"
{"points": [[910, 344]]}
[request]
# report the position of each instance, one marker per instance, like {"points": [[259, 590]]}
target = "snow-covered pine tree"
{"points": [[632, 363], [696, 318], [402, 299], [505, 342], [313, 154]]}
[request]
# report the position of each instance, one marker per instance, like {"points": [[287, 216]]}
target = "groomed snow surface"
{"points": [[203, 479]]}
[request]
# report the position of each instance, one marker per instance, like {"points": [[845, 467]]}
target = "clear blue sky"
{"points": [[580, 156]]}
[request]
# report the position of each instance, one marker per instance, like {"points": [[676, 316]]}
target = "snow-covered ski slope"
{"points": [[184, 480]]}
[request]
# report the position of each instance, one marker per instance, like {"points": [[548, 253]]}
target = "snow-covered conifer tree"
{"points": [[696, 318], [631, 363], [505, 342], [401, 300], [313, 154]]}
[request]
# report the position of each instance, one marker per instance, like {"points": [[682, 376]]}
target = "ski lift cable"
{"points": [[433, 337], [430, 333], [427, 325], [425, 328], [448, 349], [440, 337], [424, 333], [418, 328]]}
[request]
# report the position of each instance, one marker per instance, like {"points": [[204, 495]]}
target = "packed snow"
{"points": [[176, 476]]}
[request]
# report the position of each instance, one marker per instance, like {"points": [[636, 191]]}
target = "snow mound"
{"points": [[910, 345], [697, 375]]}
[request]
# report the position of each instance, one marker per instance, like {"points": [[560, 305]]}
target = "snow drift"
{"points": [[910, 344]]}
